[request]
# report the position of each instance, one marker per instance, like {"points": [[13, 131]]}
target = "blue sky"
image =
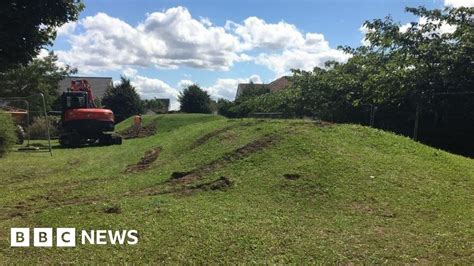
{"points": [[165, 45]]}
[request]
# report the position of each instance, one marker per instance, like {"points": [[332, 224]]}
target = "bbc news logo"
{"points": [[66, 237]]}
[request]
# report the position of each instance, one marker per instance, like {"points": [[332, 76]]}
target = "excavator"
{"points": [[82, 122]]}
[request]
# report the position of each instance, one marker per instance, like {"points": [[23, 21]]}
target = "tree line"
{"points": [[414, 79]]}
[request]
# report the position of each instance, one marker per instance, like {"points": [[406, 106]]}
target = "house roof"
{"points": [[98, 84], [244, 86], [279, 84], [273, 86]]}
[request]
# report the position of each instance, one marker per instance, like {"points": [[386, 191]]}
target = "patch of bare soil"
{"points": [[292, 176], [183, 187], [222, 183], [251, 123], [37, 204], [205, 138], [145, 131], [181, 182], [324, 123], [252, 147], [178, 175], [183, 177], [145, 162], [113, 209]]}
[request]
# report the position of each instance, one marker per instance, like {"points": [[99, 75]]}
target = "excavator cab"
{"points": [[74, 100]]}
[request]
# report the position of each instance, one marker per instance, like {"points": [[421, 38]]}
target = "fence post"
{"points": [[373, 109], [47, 124], [417, 122]]}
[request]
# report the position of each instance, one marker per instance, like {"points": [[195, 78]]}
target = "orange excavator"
{"points": [[81, 121]]}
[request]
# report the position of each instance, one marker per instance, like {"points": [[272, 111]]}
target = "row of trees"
{"points": [[404, 75], [124, 100]]}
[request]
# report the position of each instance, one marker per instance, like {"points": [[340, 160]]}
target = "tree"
{"points": [[398, 70], [123, 100], [286, 101], [424, 56], [194, 100], [27, 26], [41, 75], [224, 107]]}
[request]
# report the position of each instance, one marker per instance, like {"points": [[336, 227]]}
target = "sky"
{"points": [[162, 46]]}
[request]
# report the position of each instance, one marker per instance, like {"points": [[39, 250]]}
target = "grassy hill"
{"points": [[208, 189]]}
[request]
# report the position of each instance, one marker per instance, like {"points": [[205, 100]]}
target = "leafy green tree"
{"points": [[287, 102], [41, 75], [27, 26], [123, 100], [423, 57], [194, 100], [398, 70], [224, 107]]}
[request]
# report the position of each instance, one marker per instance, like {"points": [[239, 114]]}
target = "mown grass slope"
{"points": [[246, 191]]}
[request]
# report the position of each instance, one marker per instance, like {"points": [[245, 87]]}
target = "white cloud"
{"points": [[404, 28], [67, 29], [205, 21], [364, 30], [444, 28], [226, 88], [285, 46], [299, 59], [459, 3], [185, 83], [256, 33], [129, 72], [173, 38], [166, 39], [149, 88], [43, 53]]}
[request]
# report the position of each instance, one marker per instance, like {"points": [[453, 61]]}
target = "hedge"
{"points": [[7, 133]]}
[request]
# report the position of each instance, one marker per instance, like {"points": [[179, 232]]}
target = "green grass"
{"points": [[363, 196]]}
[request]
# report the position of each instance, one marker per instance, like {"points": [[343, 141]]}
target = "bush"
{"points": [[38, 127], [7, 133], [287, 101], [224, 107]]}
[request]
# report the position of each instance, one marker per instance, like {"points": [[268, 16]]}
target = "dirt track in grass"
{"points": [[145, 162], [145, 131]]}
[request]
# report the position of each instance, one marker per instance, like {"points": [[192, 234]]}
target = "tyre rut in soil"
{"points": [[246, 150]]}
